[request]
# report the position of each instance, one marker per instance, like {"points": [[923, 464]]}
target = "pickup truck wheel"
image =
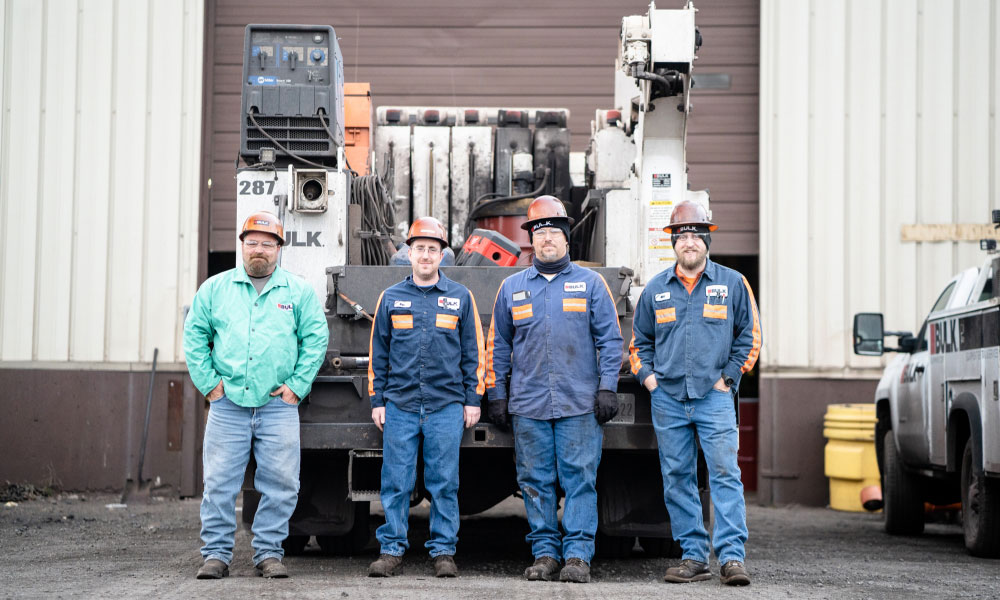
{"points": [[904, 504], [980, 509]]}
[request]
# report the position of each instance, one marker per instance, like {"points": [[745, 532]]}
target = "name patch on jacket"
{"points": [[717, 291], [661, 297], [449, 303], [575, 286], [521, 296], [285, 306], [401, 304]]}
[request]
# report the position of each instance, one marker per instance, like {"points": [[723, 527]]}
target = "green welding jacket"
{"points": [[258, 342]]}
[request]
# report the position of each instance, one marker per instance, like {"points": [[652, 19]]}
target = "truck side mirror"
{"points": [[868, 334], [908, 344]]}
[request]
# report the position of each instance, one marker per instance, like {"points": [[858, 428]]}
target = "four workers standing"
{"points": [[549, 367]]}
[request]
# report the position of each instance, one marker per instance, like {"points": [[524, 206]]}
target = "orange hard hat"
{"points": [[427, 227], [264, 222], [689, 213], [545, 207]]}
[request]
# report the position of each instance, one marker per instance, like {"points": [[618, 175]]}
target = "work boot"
{"points": [[544, 569], [386, 565], [689, 570], [734, 573], [444, 566], [213, 569], [575, 571], [271, 568]]}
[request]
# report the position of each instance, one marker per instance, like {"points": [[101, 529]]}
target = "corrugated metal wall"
{"points": [[514, 53], [874, 114], [99, 170]]}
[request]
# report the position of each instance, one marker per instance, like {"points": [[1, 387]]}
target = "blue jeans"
{"points": [[714, 420], [566, 450], [442, 434], [271, 432]]}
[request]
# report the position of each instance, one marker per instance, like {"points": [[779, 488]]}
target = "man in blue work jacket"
{"points": [[696, 332], [426, 378], [550, 321], [254, 340]]}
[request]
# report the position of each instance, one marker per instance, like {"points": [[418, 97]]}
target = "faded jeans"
{"points": [[271, 432], [714, 420], [441, 431], [567, 451]]}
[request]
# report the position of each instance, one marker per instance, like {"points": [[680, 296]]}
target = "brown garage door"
{"points": [[442, 52]]}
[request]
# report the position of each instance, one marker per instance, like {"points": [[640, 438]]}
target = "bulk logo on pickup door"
{"points": [[964, 333]]}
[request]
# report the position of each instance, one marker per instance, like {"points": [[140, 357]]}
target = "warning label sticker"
{"points": [[661, 180], [661, 204]]}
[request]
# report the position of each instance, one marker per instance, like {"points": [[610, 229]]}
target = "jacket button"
{"points": [[247, 389], [255, 304]]}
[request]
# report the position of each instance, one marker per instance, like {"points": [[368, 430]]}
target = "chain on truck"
{"points": [[937, 433], [346, 202]]}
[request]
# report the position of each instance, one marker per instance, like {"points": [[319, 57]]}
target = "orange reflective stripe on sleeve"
{"points": [[757, 337], [481, 367], [612, 296], [491, 376], [371, 361], [633, 356]]}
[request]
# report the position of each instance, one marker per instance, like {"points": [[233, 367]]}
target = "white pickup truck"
{"points": [[938, 430]]}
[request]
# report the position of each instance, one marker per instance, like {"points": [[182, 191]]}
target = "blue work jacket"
{"points": [[690, 340], [426, 347], [546, 336]]}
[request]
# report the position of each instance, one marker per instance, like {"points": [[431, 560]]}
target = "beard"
{"points": [[691, 262], [259, 267]]}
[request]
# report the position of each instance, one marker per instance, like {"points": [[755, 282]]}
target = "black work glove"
{"points": [[496, 410], [605, 406]]}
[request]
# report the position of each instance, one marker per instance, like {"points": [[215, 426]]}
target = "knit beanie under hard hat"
{"points": [[561, 224], [699, 230]]}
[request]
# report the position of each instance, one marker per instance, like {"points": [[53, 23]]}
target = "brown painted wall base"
{"points": [[791, 435], [81, 430]]}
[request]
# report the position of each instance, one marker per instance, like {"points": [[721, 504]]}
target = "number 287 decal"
{"points": [[258, 187]]}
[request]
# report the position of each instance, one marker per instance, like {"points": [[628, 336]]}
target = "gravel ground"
{"points": [[74, 546]]}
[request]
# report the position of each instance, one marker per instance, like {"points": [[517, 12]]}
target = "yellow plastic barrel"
{"points": [[850, 453]]}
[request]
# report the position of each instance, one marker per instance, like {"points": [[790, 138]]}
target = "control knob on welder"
{"points": [[316, 55]]}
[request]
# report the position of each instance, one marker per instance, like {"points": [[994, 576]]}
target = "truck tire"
{"points": [[613, 546], [904, 504], [295, 545], [980, 509], [661, 547]]}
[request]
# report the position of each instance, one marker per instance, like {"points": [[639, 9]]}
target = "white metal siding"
{"points": [[874, 114], [100, 132]]}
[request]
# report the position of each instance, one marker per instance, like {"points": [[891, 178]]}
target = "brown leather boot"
{"points": [[689, 570], [213, 569], [444, 566], [271, 568], [386, 565], [544, 569], [734, 573], [575, 571]]}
